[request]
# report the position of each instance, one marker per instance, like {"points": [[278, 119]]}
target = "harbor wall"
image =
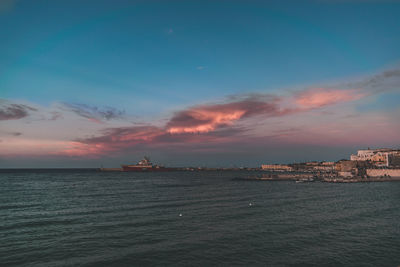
{"points": [[383, 172]]}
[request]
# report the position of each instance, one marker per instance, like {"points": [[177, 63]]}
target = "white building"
{"points": [[380, 157]]}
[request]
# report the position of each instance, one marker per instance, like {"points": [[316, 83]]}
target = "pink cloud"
{"points": [[241, 121], [201, 124], [95, 120], [319, 97], [120, 139], [207, 118], [76, 149], [208, 123], [32, 147]]}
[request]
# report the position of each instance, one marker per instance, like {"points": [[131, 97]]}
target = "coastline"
{"points": [[314, 177]]}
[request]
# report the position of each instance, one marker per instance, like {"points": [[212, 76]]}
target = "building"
{"points": [[345, 165], [394, 160], [378, 157], [276, 167], [348, 168]]}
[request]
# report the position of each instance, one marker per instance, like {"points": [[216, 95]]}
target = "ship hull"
{"points": [[127, 168]]}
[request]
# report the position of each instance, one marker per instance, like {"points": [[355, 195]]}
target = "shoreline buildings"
{"points": [[367, 163], [276, 167], [382, 162], [383, 157]]}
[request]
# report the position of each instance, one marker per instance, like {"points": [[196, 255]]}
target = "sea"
{"points": [[92, 218]]}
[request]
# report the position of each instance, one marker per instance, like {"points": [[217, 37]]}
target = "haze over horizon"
{"points": [[199, 83]]}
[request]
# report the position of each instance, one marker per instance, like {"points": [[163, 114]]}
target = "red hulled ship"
{"points": [[145, 165]]}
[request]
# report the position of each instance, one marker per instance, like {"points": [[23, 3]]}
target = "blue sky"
{"points": [[75, 50], [153, 58]]}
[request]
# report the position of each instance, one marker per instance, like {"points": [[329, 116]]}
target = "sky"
{"points": [[196, 83]]}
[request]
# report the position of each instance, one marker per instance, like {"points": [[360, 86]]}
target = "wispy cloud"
{"points": [[384, 81], [12, 111], [55, 115], [94, 114]]}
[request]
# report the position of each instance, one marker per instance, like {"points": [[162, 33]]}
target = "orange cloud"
{"points": [[211, 120], [207, 118]]}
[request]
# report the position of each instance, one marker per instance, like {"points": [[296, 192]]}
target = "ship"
{"points": [[145, 165]]}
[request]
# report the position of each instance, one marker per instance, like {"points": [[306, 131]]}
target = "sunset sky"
{"points": [[211, 83]]}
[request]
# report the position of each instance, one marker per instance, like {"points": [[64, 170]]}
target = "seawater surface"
{"points": [[89, 218]]}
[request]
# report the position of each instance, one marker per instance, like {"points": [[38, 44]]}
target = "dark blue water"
{"points": [[78, 218]]}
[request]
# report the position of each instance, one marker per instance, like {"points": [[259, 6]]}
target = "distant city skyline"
{"points": [[196, 83]]}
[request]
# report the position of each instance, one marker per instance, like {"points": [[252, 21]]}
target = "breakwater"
{"points": [[360, 179], [322, 177]]}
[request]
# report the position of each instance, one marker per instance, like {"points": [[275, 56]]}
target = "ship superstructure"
{"points": [[145, 165]]}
